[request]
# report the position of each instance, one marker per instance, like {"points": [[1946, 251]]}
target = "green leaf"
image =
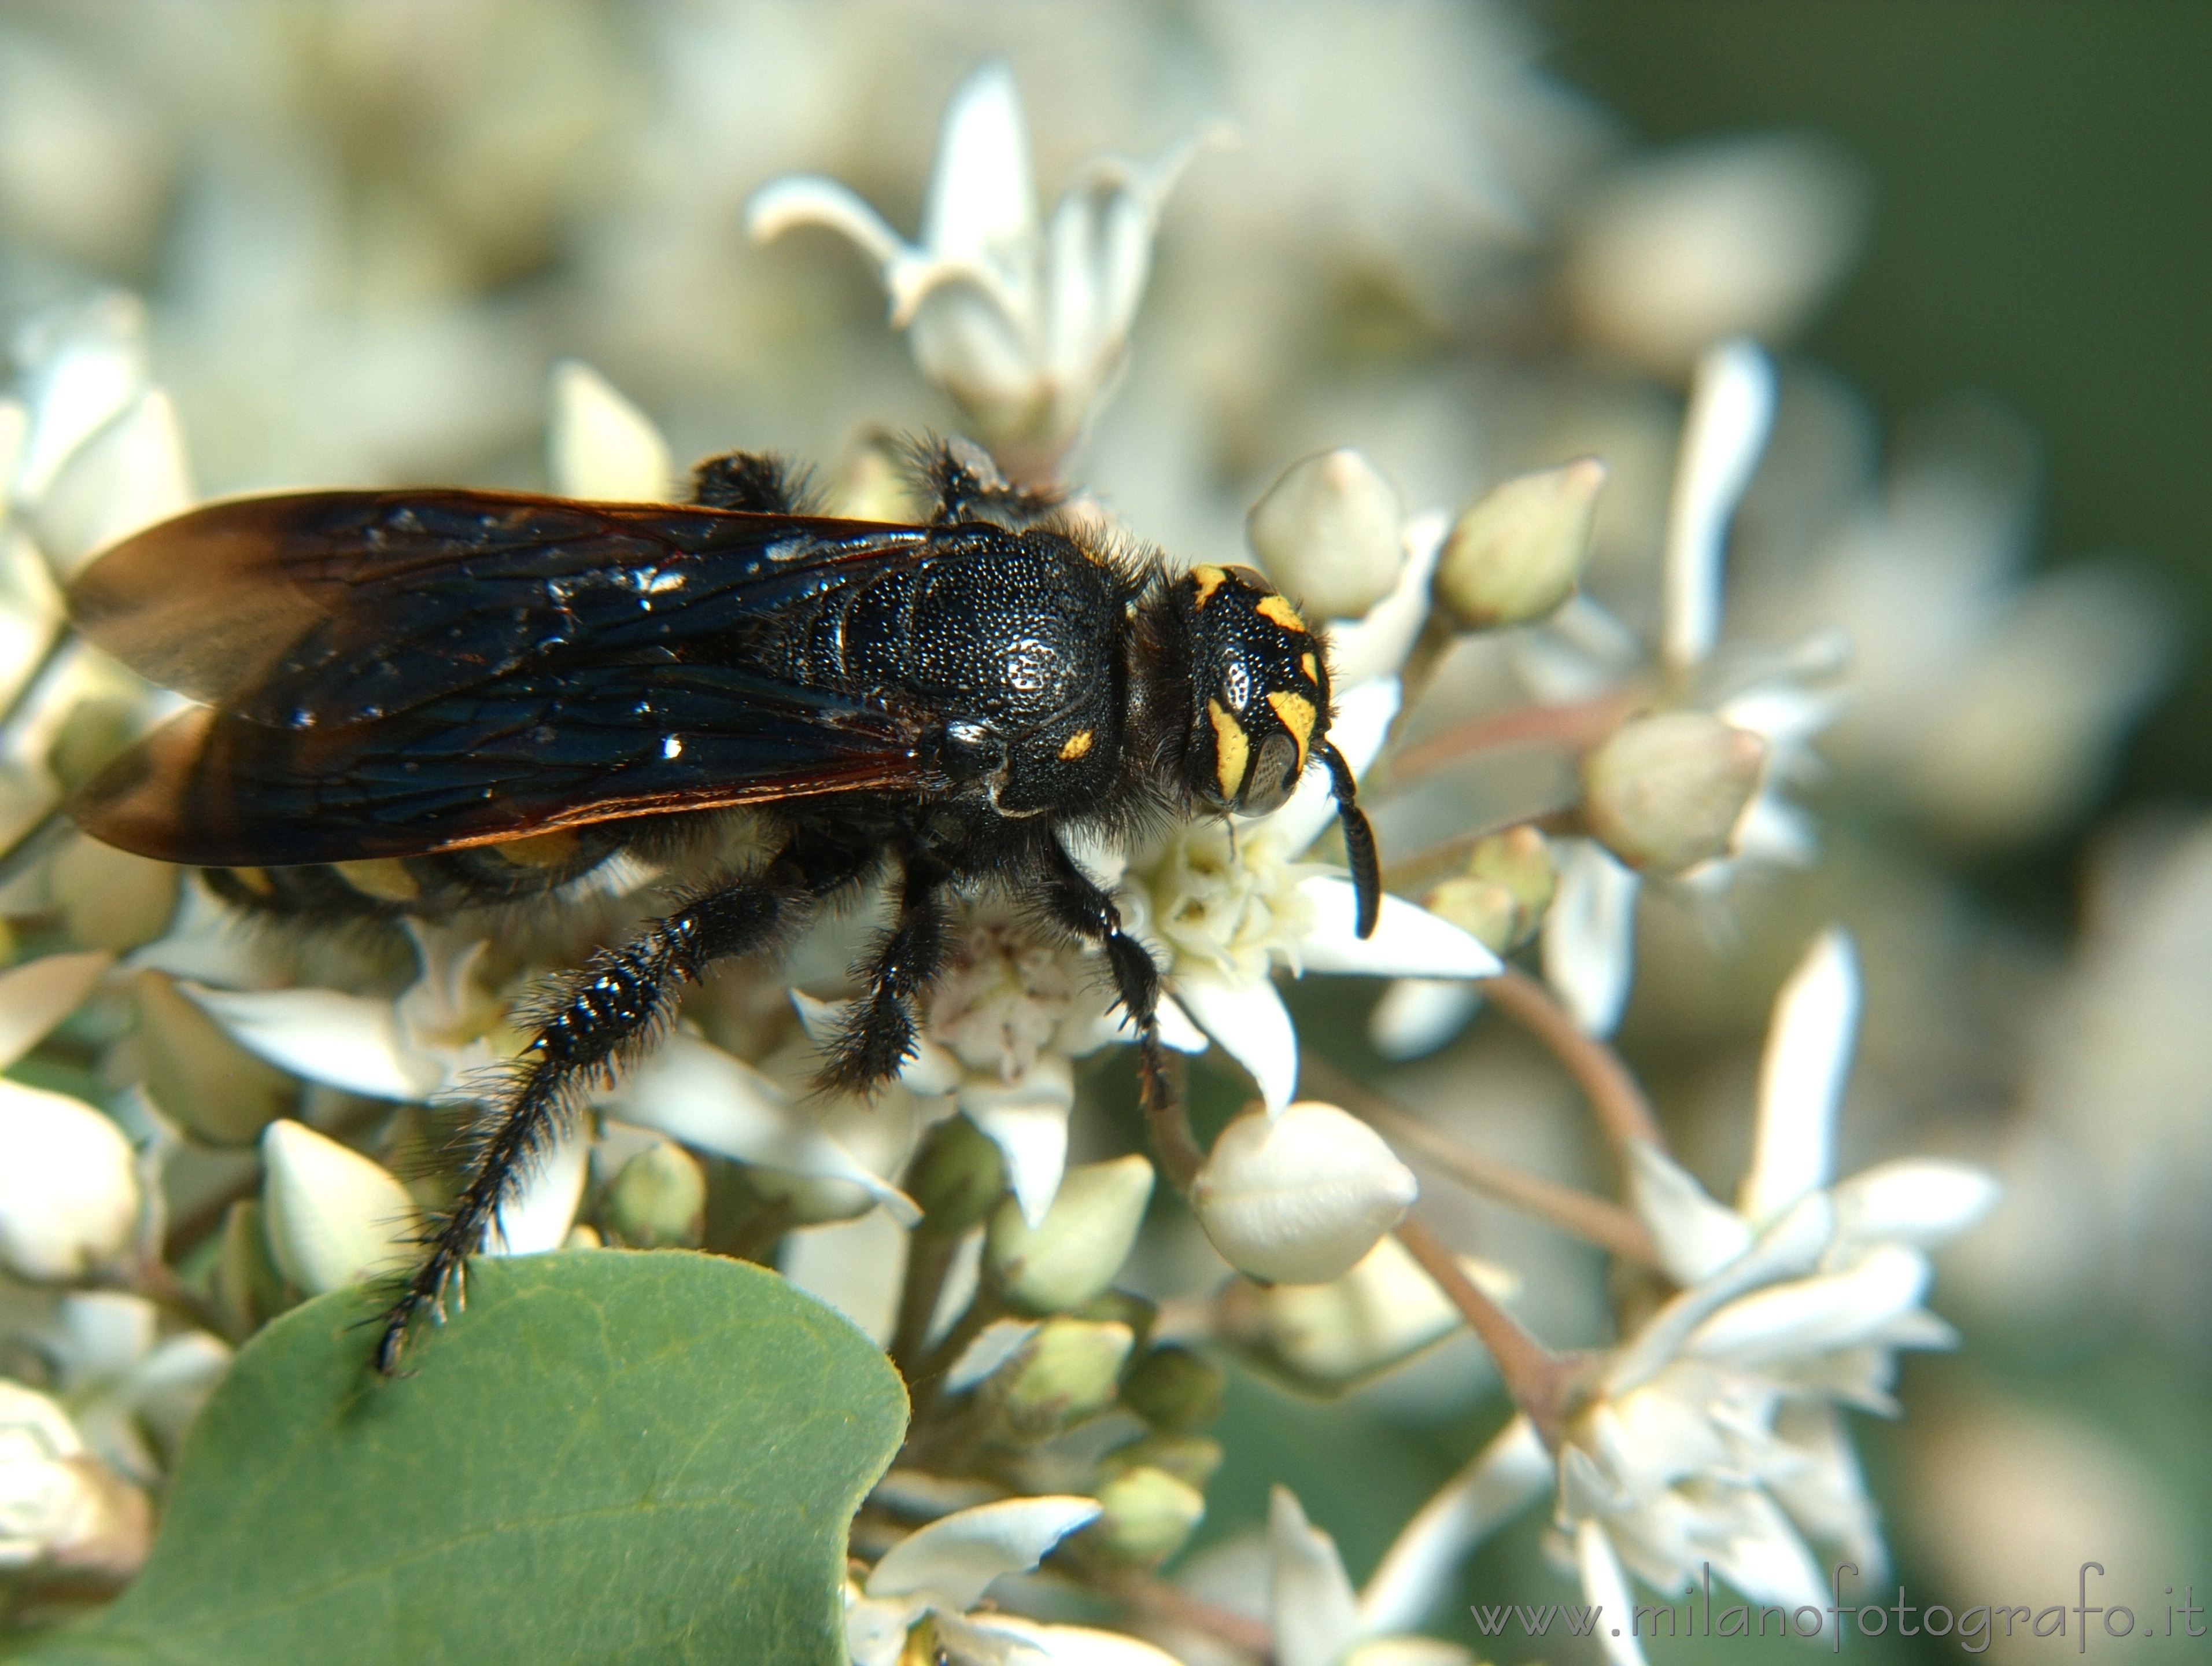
{"points": [[608, 1457]]}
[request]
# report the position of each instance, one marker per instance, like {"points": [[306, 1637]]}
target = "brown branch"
{"points": [[1588, 1216], [1577, 728], [1161, 1600], [1612, 1092], [1537, 1378], [1165, 1091]]}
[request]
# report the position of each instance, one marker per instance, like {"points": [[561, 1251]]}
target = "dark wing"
{"points": [[393, 674]]}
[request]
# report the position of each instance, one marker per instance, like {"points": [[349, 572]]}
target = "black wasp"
{"points": [[419, 701]]}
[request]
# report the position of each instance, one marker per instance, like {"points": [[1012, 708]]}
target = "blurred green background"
{"points": [[2042, 234]]}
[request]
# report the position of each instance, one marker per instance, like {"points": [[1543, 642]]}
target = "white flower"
{"points": [[70, 1196], [943, 1569], [1026, 325], [59, 1504], [334, 1216], [1713, 1434], [130, 1391], [1300, 1198], [598, 444], [1584, 652], [1318, 1620]]}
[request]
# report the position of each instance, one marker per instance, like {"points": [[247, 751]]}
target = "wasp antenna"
{"points": [[1358, 839]]}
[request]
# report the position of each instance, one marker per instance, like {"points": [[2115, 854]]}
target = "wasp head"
{"points": [[1259, 710]]}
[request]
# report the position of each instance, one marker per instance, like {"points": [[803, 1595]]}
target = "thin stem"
{"points": [[1536, 1377], [1594, 1218], [926, 1383], [1604, 1080], [1163, 1600], [929, 1259], [1167, 1113], [1577, 728]]}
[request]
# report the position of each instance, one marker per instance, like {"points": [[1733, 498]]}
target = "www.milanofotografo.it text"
{"points": [[1972, 1628]]}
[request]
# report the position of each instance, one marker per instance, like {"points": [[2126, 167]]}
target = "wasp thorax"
{"points": [[1260, 691]]}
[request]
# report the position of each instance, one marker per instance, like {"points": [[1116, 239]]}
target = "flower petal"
{"points": [[1419, 1567], [344, 1041], [1408, 941], [1801, 1080], [1253, 1027], [806, 199], [696, 1093], [1605, 1589], [70, 1196], [539, 1216], [1001, 1639], [1376, 646], [983, 201], [1589, 934], [1810, 1316], [39, 993], [1921, 1201], [1695, 1235], [1310, 1601], [996, 1343], [1028, 1121], [1731, 410], [601, 445], [954, 1559], [1418, 1015], [334, 1216]]}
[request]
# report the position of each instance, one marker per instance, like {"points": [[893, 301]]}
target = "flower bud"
{"points": [[957, 1178], [1191, 1459], [93, 735], [1664, 793], [1149, 1513], [247, 1289], [658, 1199], [1067, 1374], [810, 1200], [1173, 1387], [1518, 550], [871, 483], [1073, 1253], [60, 1507], [1300, 1198], [1328, 532], [600, 445], [1501, 897], [197, 1074], [333, 1216], [68, 1186], [110, 899]]}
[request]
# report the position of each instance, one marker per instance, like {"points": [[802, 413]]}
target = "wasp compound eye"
{"points": [[1273, 777]]}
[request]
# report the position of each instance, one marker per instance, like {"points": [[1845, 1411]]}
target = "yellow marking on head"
{"points": [[1075, 746], [553, 849], [254, 880], [1311, 667], [1297, 715], [1208, 579], [384, 878], [1231, 748], [1274, 607]]}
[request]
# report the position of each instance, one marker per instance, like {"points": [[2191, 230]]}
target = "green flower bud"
{"points": [[247, 1289], [1073, 1253], [1173, 1387], [197, 1074], [1149, 1513], [658, 1199], [1501, 898], [1120, 1307], [110, 899], [957, 1178], [1191, 1459], [93, 735], [1328, 532], [1665, 793], [1068, 1374], [1518, 550]]}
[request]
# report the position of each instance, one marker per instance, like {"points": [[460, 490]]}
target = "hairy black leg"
{"points": [[966, 485], [1358, 839], [755, 481], [879, 1037], [600, 1018], [1077, 903]]}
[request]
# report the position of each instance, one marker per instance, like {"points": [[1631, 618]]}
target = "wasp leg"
{"points": [[880, 1036], [967, 486], [757, 482], [1081, 905], [602, 1017]]}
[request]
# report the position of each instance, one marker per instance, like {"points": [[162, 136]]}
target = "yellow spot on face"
{"points": [[1275, 608], [1075, 746], [254, 880], [553, 849], [1208, 579], [384, 878], [1297, 714], [1231, 748], [1311, 667]]}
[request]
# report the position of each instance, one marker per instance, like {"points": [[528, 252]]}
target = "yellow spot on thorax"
{"points": [[1231, 748], [1075, 746], [1297, 714], [384, 878], [1311, 667], [1208, 579], [1275, 608]]}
